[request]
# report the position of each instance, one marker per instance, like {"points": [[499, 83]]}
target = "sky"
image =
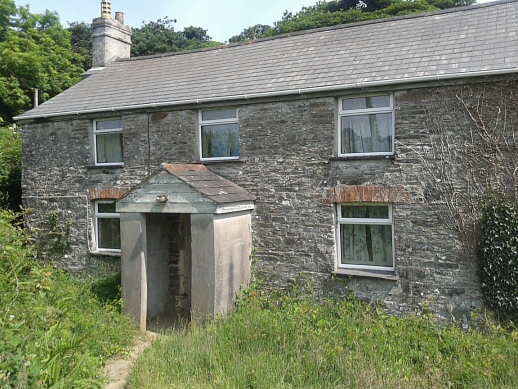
{"points": [[222, 18]]}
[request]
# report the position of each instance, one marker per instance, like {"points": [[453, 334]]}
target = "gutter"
{"points": [[300, 91]]}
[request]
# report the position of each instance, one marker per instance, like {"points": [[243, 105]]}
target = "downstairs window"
{"points": [[107, 226], [365, 236]]}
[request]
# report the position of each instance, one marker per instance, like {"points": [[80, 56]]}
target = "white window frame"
{"points": [[202, 123], [97, 132], [363, 221], [101, 215], [365, 111]]}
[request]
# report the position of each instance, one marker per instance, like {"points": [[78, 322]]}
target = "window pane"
{"points": [[103, 125], [366, 245], [366, 102], [106, 207], [109, 148], [109, 233], [219, 114], [220, 140], [365, 212], [366, 133]]}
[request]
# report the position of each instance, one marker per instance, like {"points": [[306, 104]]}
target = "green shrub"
{"points": [[498, 255], [53, 331], [107, 289], [10, 168]]}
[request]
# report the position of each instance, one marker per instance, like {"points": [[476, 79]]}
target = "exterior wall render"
{"points": [[287, 163]]}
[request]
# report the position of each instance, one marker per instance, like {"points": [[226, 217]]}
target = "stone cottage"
{"points": [[354, 155]]}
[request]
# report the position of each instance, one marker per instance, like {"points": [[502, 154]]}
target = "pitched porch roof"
{"points": [[185, 188]]}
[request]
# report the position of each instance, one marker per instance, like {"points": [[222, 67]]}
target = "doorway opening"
{"points": [[169, 268]]}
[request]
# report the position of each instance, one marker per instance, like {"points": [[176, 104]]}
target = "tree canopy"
{"points": [[160, 37], [331, 13], [35, 52]]}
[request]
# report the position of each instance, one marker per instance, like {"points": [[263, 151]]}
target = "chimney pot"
{"points": [[106, 9], [119, 16]]}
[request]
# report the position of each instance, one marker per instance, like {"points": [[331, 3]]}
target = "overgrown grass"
{"points": [[285, 340], [54, 332]]}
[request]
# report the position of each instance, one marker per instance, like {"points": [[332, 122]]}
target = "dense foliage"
{"points": [[10, 168], [160, 37], [81, 40], [35, 52], [498, 255], [278, 340], [331, 13], [54, 332], [151, 38]]}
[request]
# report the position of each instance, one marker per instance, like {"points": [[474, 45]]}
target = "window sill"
{"points": [[105, 254], [390, 276], [240, 160], [362, 157], [104, 167]]}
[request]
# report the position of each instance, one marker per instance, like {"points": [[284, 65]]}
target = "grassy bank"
{"points": [[54, 331], [287, 341]]}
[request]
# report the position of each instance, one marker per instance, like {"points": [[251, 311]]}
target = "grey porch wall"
{"points": [[287, 163]]}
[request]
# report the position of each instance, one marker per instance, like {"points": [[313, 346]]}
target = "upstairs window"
{"points": [[108, 142], [365, 236], [107, 226], [366, 126], [219, 134]]}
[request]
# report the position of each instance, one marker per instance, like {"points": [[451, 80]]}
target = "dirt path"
{"points": [[119, 367]]}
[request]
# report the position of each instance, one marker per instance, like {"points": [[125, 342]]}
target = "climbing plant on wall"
{"points": [[498, 255]]}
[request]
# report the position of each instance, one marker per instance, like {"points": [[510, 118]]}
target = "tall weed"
{"points": [[292, 340], [54, 333]]}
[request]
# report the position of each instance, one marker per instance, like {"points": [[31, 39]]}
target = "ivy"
{"points": [[498, 255]]}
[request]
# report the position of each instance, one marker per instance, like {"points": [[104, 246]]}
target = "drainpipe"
{"points": [[35, 92]]}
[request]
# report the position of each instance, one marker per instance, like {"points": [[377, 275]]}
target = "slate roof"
{"points": [[209, 184], [199, 179], [454, 43]]}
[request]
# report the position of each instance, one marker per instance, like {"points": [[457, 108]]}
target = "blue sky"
{"points": [[222, 18]]}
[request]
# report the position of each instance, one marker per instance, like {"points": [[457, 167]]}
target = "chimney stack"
{"points": [[111, 38]]}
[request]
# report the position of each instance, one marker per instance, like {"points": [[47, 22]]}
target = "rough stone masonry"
{"points": [[288, 162]]}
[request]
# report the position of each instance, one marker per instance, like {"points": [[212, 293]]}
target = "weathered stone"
{"points": [[288, 162]]}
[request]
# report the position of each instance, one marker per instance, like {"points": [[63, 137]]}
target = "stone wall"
{"points": [[288, 163]]}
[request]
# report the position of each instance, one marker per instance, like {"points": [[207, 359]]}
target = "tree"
{"points": [[10, 168], [160, 37], [332, 13], [81, 40], [35, 52], [254, 32], [7, 9]]}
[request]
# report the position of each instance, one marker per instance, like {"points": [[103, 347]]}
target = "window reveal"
{"points": [[366, 126], [219, 134], [108, 142], [365, 236]]}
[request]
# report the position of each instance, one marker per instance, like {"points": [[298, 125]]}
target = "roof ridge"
{"points": [[322, 29]]}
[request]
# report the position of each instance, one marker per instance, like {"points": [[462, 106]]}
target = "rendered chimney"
{"points": [[111, 38]]}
